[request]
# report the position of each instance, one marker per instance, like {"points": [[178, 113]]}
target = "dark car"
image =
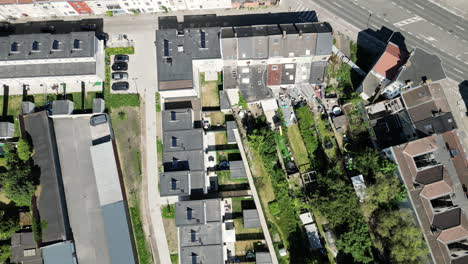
{"points": [[121, 58], [119, 76], [120, 86], [120, 66]]}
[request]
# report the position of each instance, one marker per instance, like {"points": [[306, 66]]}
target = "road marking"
{"points": [[457, 70], [419, 6], [408, 21], [460, 27], [338, 5], [375, 26]]}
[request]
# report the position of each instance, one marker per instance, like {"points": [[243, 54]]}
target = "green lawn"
{"points": [[175, 258], [144, 254], [237, 203], [224, 178], [168, 211], [297, 146], [220, 138], [239, 226]]}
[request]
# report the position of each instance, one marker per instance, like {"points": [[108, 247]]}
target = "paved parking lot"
{"points": [[132, 66]]}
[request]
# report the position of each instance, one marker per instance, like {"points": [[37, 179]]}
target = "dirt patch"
{"points": [[210, 94], [171, 235], [126, 125], [217, 118], [220, 138]]}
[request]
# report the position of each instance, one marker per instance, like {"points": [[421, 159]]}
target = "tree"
{"points": [[356, 241], [9, 225], [385, 192], [5, 253], [17, 182], [24, 150], [401, 236]]}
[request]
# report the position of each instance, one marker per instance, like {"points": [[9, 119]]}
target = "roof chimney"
{"points": [[284, 34], [300, 34]]}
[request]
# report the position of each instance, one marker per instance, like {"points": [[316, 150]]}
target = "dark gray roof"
{"points": [[416, 68], [7, 130], [317, 72], [62, 107], [174, 183], [27, 107], [197, 212], [175, 52], [48, 69], [430, 175], [263, 258], [250, 218], [21, 242], [201, 235], [447, 219], [230, 125], [51, 201], [237, 169], [252, 83], [183, 160], [183, 119], [212, 254], [224, 100], [99, 105], [60, 253], [72, 45], [183, 140], [284, 40], [117, 228], [324, 42]]}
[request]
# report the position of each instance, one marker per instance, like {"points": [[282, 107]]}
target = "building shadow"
{"points": [[463, 89]]}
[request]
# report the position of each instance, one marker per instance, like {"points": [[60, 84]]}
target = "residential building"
{"points": [[434, 170], [200, 231], [419, 112], [257, 60], [82, 198], [415, 72], [45, 60], [252, 3], [384, 71], [13, 9], [183, 160]]}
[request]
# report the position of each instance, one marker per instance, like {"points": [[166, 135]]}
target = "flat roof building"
{"points": [[48, 60]]}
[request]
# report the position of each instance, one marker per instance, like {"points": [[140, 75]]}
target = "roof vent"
{"points": [[284, 34]]}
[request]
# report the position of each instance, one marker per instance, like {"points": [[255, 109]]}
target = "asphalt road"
{"points": [[422, 23]]}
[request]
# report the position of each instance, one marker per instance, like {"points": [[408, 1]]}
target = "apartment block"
{"points": [[37, 61], [435, 172]]}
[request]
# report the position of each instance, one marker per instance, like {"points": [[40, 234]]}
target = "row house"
{"points": [[15, 9]]}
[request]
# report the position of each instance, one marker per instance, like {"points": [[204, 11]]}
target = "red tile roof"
{"points": [[390, 61], [274, 74]]}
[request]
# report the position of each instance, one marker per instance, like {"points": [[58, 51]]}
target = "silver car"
{"points": [[119, 76]]}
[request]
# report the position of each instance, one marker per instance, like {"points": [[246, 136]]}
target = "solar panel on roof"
{"points": [[203, 39], [166, 48]]}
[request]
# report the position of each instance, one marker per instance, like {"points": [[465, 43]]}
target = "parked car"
{"points": [[120, 66], [120, 86], [121, 58], [119, 76]]}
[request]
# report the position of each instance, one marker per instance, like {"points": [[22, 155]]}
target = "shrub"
{"points": [[24, 150]]}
